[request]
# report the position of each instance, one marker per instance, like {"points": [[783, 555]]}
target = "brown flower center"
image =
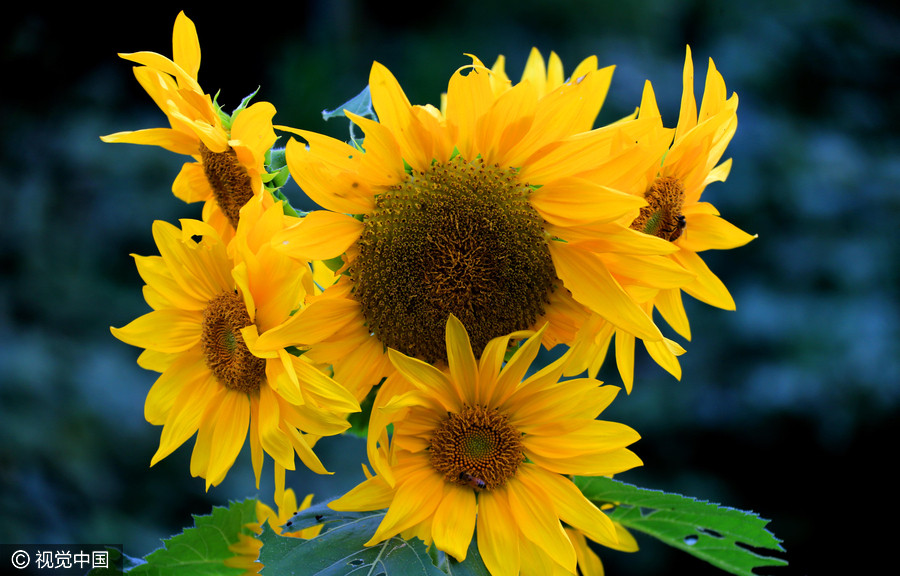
{"points": [[477, 447], [229, 180], [459, 238], [227, 356], [662, 216]]}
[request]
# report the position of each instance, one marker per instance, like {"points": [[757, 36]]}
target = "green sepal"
{"points": [[360, 105], [334, 264], [286, 205], [244, 103]]}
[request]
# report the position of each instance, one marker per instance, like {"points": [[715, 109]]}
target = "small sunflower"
{"points": [[505, 210], [475, 446], [246, 549], [676, 214], [229, 152], [216, 336]]}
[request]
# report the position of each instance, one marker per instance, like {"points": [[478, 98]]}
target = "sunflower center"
{"points": [[477, 447], [229, 181], [226, 354], [459, 238], [662, 216]]}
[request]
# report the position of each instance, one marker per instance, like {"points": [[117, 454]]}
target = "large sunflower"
{"points": [[214, 334], [676, 214], [475, 446], [505, 209], [229, 152]]}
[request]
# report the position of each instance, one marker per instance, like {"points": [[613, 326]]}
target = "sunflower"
{"points": [[505, 209], [475, 446], [676, 214], [215, 334], [229, 152], [246, 549]]}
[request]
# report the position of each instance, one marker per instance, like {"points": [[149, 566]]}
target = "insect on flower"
{"points": [[676, 231], [472, 481]]}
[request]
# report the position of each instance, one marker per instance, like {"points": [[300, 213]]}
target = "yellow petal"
{"points": [[463, 369], [594, 437], [328, 172], [506, 124], [428, 378], [187, 371], [592, 285], [536, 517], [687, 116], [467, 99], [707, 287], [304, 450], [320, 235], [665, 354], [574, 201], [171, 140], [498, 534], [252, 128], [232, 422], [191, 184], [256, 449], [454, 521], [710, 232], [317, 322], [589, 464], [162, 330], [625, 358], [416, 499], [514, 371], [571, 505], [670, 306], [372, 494], [395, 112], [271, 437], [184, 417], [588, 562], [186, 45], [324, 390]]}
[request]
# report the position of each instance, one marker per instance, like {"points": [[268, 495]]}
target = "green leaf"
{"points": [[719, 535], [203, 549], [339, 550]]}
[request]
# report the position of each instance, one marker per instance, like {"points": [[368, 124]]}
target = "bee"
{"points": [[675, 232], [472, 481]]}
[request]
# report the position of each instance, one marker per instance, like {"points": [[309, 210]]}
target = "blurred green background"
{"points": [[788, 406]]}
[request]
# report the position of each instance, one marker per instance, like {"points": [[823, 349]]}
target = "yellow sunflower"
{"points": [[246, 549], [215, 336], [475, 446], [506, 210], [676, 214], [229, 152]]}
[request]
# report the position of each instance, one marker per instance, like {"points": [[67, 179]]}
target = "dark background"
{"points": [[787, 407]]}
